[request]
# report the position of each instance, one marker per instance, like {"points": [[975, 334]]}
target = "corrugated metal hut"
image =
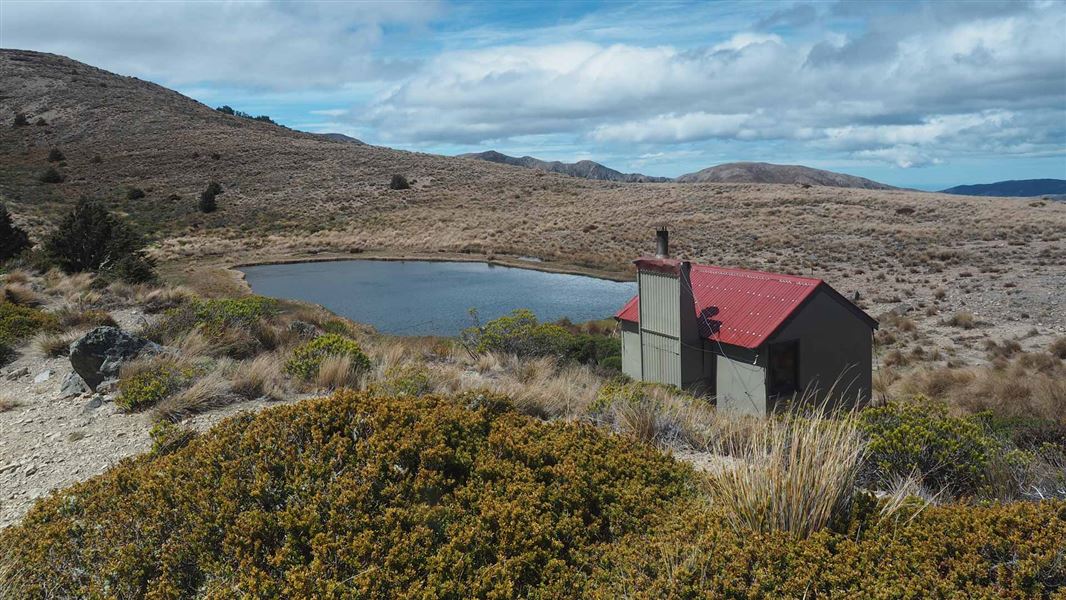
{"points": [[750, 339]]}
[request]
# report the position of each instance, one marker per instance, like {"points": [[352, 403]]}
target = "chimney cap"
{"points": [[662, 242]]}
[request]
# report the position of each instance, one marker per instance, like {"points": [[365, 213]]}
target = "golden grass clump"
{"points": [[51, 345], [795, 473], [338, 371], [210, 391], [21, 294], [7, 403], [262, 376]]}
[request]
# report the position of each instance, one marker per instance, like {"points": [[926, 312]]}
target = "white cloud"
{"points": [[259, 43], [905, 91], [330, 112]]}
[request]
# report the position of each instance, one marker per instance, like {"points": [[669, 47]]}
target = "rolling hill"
{"points": [[289, 194], [759, 172], [583, 168], [1012, 188]]}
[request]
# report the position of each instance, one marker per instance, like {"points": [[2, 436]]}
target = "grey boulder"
{"points": [[73, 385], [99, 354]]}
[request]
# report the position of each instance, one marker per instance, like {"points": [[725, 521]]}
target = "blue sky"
{"points": [[916, 94]]}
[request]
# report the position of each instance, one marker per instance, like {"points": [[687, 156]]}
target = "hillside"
{"points": [[340, 137], [290, 194], [758, 172], [1012, 188], [584, 168]]}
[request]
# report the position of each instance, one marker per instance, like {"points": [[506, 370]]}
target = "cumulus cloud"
{"points": [[905, 90], [261, 44]]}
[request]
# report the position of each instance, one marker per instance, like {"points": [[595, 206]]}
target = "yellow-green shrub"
{"points": [[307, 357], [18, 323], [953, 551], [148, 386], [946, 451], [351, 496], [430, 497]]}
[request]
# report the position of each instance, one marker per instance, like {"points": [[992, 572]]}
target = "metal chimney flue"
{"points": [[662, 242]]}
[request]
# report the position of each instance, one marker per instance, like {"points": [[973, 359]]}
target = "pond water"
{"points": [[434, 298]]}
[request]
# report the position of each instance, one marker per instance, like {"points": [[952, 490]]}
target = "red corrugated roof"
{"points": [[739, 307]]}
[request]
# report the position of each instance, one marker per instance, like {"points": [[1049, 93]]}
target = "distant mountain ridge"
{"points": [[583, 168], [759, 172], [1012, 188]]}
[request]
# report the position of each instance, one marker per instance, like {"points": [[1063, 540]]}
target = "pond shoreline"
{"points": [[415, 296], [542, 266]]}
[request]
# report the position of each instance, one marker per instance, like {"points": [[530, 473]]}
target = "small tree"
{"points": [[50, 175], [55, 155], [399, 182], [13, 239], [90, 238], [134, 193], [20, 120], [208, 203]]}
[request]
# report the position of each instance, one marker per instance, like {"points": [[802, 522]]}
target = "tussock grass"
{"points": [[338, 371], [53, 345], [795, 473], [21, 294], [263, 376], [210, 391]]}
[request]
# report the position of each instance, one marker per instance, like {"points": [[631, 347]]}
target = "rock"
{"points": [[73, 385], [13, 375], [30, 470], [108, 386], [43, 376], [95, 403], [98, 355]]}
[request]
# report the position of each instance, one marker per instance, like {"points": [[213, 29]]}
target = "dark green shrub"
{"points": [[589, 349], [612, 363], [208, 202], [399, 182], [41, 122], [134, 193], [307, 357], [96, 159], [50, 175], [521, 334], [89, 238], [946, 451], [13, 239], [20, 120], [55, 155]]}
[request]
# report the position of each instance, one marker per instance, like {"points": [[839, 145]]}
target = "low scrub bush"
{"points": [[307, 358], [145, 383], [169, 437], [50, 175], [18, 323], [413, 497], [399, 182], [946, 451], [56, 155], [519, 333]]}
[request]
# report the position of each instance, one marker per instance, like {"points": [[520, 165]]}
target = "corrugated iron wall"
{"points": [[661, 327]]}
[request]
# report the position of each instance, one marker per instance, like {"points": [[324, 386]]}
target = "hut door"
{"points": [[784, 369]]}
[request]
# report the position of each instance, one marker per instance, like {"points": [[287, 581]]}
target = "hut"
{"points": [[751, 340]]}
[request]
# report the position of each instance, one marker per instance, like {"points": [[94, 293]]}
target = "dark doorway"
{"points": [[784, 369]]}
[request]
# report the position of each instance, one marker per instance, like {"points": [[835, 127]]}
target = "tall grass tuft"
{"points": [[794, 474]]}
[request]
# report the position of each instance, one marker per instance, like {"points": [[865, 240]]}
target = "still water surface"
{"points": [[433, 298]]}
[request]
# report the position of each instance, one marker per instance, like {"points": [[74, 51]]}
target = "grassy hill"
{"points": [[287, 192]]}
